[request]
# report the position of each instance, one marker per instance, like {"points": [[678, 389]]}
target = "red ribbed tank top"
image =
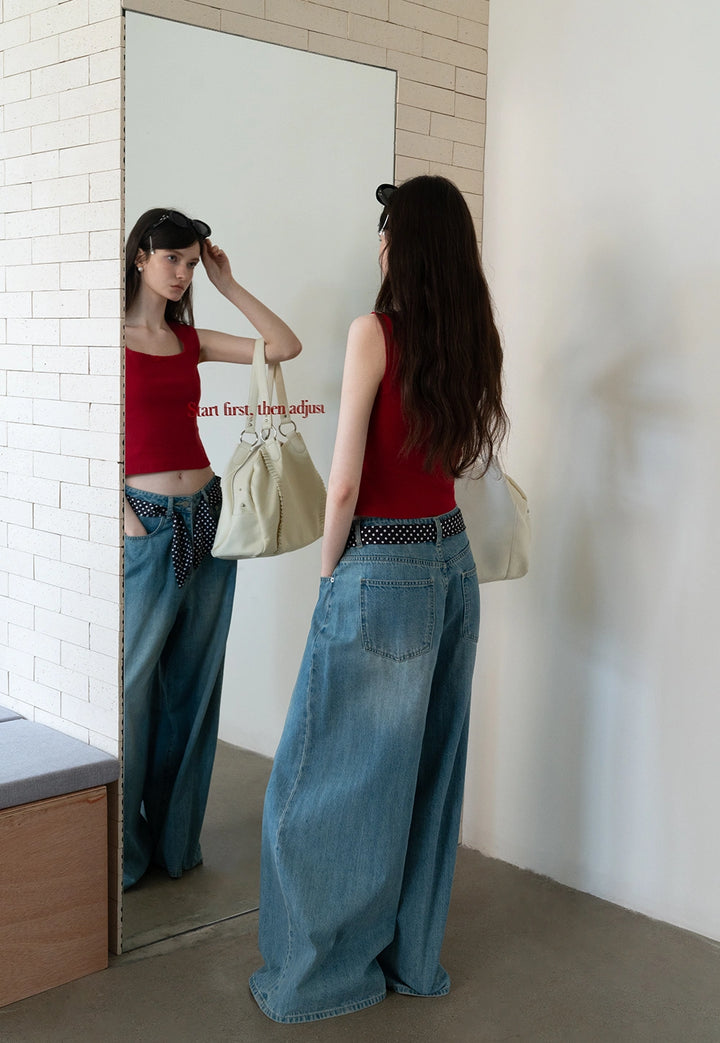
{"points": [[162, 394], [395, 485]]}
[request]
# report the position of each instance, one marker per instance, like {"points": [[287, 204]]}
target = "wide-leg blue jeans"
{"points": [[174, 654], [362, 811]]}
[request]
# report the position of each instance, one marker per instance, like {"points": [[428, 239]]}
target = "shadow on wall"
{"points": [[612, 484]]}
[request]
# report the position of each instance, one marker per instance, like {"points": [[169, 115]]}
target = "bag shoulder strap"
{"points": [[258, 391], [277, 383]]}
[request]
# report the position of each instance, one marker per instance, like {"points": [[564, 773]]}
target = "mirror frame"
{"points": [[310, 250]]}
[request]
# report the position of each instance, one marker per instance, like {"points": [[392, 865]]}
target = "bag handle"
{"points": [[258, 392], [286, 424], [277, 384], [265, 382]]}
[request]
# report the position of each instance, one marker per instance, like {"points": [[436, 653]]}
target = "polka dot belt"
{"points": [[187, 551], [404, 532]]}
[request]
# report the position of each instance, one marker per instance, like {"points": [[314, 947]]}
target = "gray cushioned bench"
{"points": [[53, 864], [37, 762], [9, 715]]}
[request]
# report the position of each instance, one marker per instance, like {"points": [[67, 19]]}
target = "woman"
{"points": [[362, 811], [178, 598]]}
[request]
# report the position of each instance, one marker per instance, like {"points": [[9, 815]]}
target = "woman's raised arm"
{"points": [[281, 343]]}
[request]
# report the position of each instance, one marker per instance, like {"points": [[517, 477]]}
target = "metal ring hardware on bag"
{"points": [[286, 423]]}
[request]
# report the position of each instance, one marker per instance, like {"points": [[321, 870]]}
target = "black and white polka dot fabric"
{"points": [[406, 532], [187, 552]]}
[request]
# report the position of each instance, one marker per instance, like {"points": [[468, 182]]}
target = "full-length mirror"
{"points": [[279, 151]]}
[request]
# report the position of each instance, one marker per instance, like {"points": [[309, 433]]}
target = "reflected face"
{"points": [[167, 272]]}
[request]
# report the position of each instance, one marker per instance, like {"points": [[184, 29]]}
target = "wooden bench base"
{"points": [[53, 883]]}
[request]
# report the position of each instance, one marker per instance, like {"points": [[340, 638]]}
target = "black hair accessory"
{"points": [[384, 193]]}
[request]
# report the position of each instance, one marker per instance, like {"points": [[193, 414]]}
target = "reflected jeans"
{"points": [[174, 654], [362, 811]]}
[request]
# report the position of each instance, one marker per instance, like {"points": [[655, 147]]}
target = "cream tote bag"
{"points": [[497, 517], [273, 497]]}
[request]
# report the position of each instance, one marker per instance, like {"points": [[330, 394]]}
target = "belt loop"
{"points": [[357, 533], [438, 531]]}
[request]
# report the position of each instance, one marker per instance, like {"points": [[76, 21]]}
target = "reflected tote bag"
{"points": [[273, 497]]}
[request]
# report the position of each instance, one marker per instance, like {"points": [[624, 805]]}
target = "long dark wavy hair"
{"points": [[449, 358], [166, 236]]}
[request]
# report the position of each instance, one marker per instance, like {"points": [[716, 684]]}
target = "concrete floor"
{"points": [[530, 961]]}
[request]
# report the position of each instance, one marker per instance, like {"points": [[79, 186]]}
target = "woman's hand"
{"points": [[132, 524], [217, 266], [281, 343]]}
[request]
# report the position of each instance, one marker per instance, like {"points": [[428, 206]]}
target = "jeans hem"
{"points": [[315, 1015], [404, 990], [177, 870], [175, 874]]}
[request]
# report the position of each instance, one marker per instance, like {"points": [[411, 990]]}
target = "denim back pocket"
{"points": [[397, 617], [471, 605]]}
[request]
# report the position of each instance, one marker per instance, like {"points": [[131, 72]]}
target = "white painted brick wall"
{"points": [[72, 360], [94, 556], [63, 522], [60, 327], [96, 445], [76, 631], [44, 544], [30, 698], [34, 490], [17, 562], [69, 577], [33, 436], [103, 531], [67, 304], [47, 249], [103, 639]]}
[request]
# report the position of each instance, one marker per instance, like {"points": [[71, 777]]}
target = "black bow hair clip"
{"points": [[384, 193]]}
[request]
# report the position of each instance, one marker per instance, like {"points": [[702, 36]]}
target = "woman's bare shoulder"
{"points": [[367, 326], [366, 346]]}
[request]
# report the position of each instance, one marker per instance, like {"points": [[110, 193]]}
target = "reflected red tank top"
{"points": [[395, 485], [162, 394]]}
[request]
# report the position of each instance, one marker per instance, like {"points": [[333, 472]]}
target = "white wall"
{"points": [[594, 745]]}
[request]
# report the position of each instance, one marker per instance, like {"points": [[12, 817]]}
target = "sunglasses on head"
{"points": [[180, 221], [384, 193]]}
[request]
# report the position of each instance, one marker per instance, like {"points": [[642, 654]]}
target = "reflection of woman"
{"points": [[362, 810], [178, 598]]}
